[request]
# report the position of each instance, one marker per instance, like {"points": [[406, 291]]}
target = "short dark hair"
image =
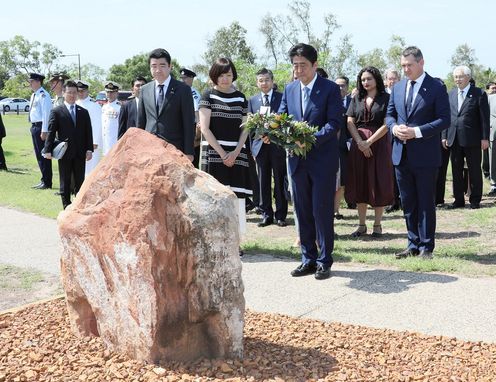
{"points": [[379, 82], [346, 79], [138, 78], [69, 84], [159, 53], [489, 84], [414, 51], [265, 71], [321, 72], [221, 66], [303, 50]]}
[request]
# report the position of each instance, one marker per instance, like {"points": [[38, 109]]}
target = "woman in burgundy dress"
{"points": [[370, 171]]}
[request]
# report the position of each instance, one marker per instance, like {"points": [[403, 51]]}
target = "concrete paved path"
{"points": [[429, 303]]}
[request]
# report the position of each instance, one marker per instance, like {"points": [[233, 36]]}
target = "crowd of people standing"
{"points": [[386, 146]]}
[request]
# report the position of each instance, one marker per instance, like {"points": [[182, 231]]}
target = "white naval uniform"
{"points": [[196, 98], [110, 125], [95, 112], [40, 107]]}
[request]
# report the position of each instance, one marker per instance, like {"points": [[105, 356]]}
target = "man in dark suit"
{"points": [[3, 164], [166, 107], [466, 136], [128, 117], [271, 159], [418, 111], [344, 135], [317, 101], [71, 123]]}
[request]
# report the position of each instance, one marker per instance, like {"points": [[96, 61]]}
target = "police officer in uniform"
{"points": [[95, 111], [110, 117], [187, 77], [56, 86], [39, 111]]}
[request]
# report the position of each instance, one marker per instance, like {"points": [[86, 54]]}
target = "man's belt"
{"points": [[37, 124]]}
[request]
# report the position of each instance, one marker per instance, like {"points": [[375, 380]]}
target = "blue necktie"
{"points": [[409, 99], [73, 114]]}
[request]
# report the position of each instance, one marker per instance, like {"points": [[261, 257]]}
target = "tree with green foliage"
{"points": [[229, 42], [465, 55], [384, 59], [19, 55], [281, 32]]}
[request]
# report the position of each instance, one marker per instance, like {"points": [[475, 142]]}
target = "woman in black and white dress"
{"points": [[222, 111]]}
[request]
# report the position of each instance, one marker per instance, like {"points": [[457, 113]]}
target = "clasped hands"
{"points": [[364, 147], [229, 158], [404, 133]]}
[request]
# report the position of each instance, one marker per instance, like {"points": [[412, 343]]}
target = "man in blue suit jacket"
{"points": [[270, 158], [318, 101], [418, 111]]}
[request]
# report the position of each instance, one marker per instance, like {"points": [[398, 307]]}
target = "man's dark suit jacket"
{"points": [[128, 117], [430, 112], [344, 134], [175, 120], [470, 125], [254, 105], [2, 129], [79, 138]]}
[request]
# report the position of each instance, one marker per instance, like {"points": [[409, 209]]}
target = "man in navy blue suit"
{"points": [[418, 111], [270, 158], [318, 101]]}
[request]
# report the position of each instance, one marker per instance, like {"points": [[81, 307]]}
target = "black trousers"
{"points": [[271, 160], [441, 175], [45, 165], [255, 186], [3, 164], [473, 155], [69, 168]]}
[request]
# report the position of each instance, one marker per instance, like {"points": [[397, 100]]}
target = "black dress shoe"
{"points": [[474, 206], [323, 272], [407, 253], [455, 205], [392, 208], [44, 187], [258, 211], [492, 192], [265, 222], [58, 193], [282, 223], [304, 269], [38, 185], [425, 254]]}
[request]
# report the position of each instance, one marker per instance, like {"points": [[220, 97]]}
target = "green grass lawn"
{"points": [[465, 241], [15, 184]]}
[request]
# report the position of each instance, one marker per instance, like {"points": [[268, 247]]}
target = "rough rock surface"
{"points": [[150, 256]]}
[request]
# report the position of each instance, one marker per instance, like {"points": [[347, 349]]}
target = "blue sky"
{"points": [[107, 32]]}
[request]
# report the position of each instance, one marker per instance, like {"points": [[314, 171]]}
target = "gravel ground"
{"points": [[36, 345]]}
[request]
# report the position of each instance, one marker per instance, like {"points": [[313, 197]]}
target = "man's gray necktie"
{"points": [[160, 99], [73, 114], [306, 99], [460, 99]]}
